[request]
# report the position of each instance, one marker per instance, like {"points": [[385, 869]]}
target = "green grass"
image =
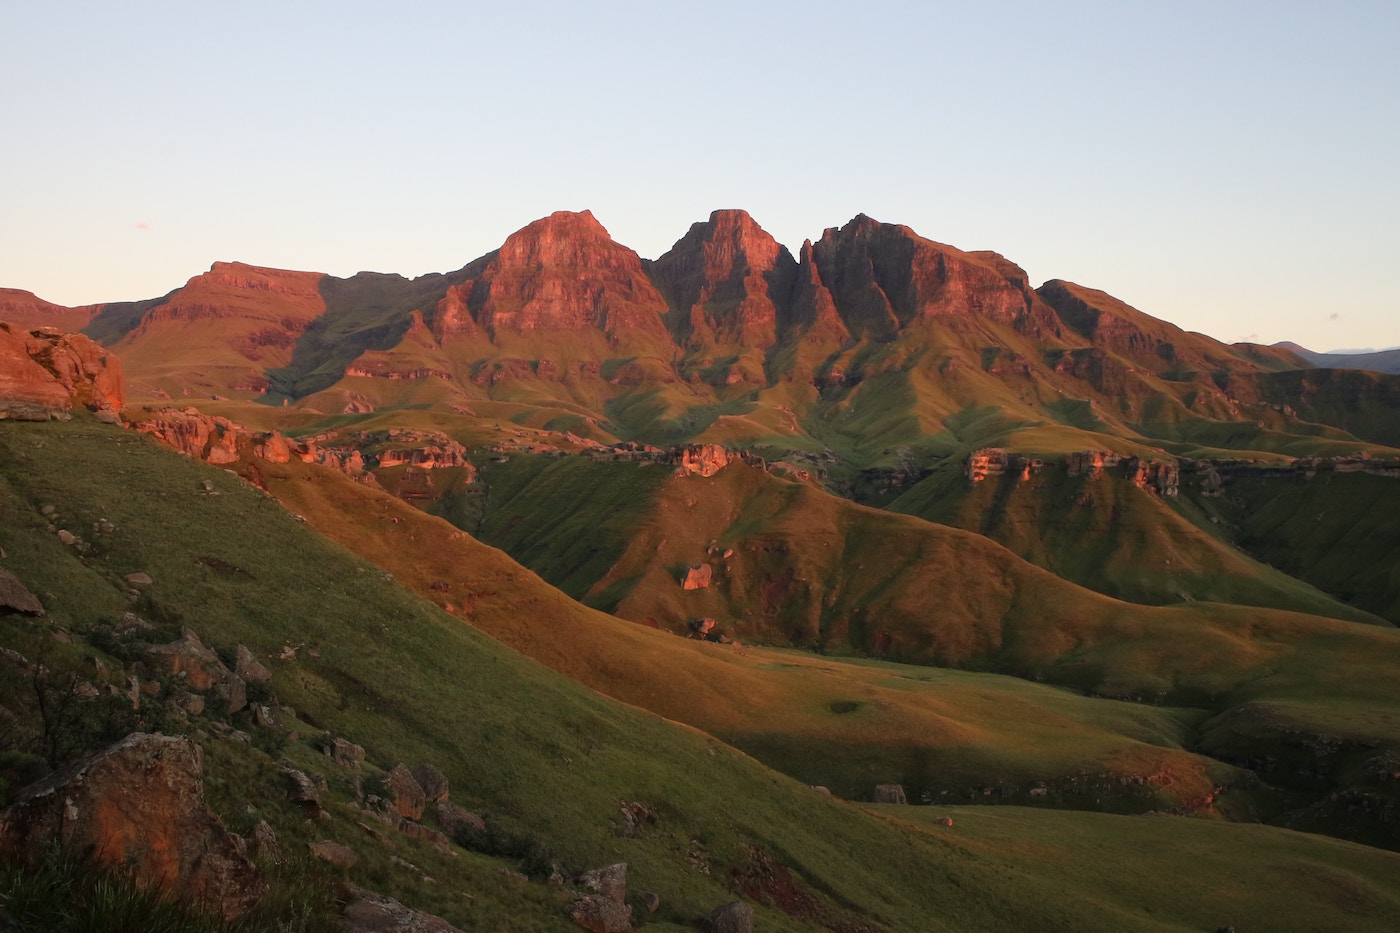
{"points": [[537, 753], [1110, 536], [1338, 532]]}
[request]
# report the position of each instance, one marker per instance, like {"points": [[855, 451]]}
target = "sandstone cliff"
{"points": [[725, 281], [45, 373], [565, 273]]}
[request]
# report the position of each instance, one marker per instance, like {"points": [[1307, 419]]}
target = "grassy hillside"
{"points": [[1106, 534], [1301, 701], [545, 759], [1339, 532]]}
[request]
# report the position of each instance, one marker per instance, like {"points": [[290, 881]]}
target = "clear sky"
{"points": [[1233, 167]]}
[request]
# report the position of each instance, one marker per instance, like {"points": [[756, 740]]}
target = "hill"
{"points": [[544, 759]]}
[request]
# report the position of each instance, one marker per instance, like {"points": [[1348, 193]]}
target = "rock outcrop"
{"points": [[200, 669], [1159, 476], [45, 373], [213, 439], [993, 461], [709, 459], [725, 281], [565, 273], [138, 806], [1091, 463]]}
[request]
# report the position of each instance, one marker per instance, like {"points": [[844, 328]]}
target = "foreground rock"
{"points": [[374, 913], [137, 806], [44, 373], [14, 595]]}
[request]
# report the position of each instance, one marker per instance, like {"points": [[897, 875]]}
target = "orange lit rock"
{"points": [[44, 373], [696, 577], [725, 280], [137, 806], [565, 273]]}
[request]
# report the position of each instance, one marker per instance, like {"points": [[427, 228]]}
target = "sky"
{"points": [[1232, 167]]}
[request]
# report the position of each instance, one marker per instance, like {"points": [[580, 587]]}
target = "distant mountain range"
{"points": [[1381, 361]]}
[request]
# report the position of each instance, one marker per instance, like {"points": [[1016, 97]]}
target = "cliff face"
{"points": [[565, 273], [725, 282], [883, 277]]}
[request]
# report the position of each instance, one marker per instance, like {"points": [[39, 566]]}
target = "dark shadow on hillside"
{"points": [[120, 318], [369, 311]]}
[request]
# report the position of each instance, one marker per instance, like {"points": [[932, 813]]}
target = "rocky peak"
{"points": [[725, 281], [565, 273], [884, 276]]}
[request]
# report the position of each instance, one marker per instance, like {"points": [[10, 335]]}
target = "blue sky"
{"points": [[1230, 167]]}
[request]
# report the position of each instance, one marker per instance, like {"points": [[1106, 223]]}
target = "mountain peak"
{"points": [[724, 281]]}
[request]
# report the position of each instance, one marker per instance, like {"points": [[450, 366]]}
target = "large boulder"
{"points": [[433, 782], [404, 791], [374, 913], [696, 577], [610, 881], [456, 820], [201, 668], [44, 373], [14, 595], [734, 917], [137, 806], [599, 914]]}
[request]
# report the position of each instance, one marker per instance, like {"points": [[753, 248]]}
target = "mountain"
{"points": [[704, 531], [1381, 361]]}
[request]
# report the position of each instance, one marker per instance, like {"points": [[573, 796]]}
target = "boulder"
{"points": [[268, 715], [609, 881], [403, 790], [330, 851], [14, 595], [191, 703], [599, 914], [734, 917], [696, 577], [457, 820], [302, 790], [247, 666], [424, 834], [137, 806], [890, 793], [433, 782], [346, 753], [264, 842], [369, 912], [201, 668]]}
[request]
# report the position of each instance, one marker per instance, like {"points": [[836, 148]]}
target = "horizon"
{"points": [[1155, 155]]}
